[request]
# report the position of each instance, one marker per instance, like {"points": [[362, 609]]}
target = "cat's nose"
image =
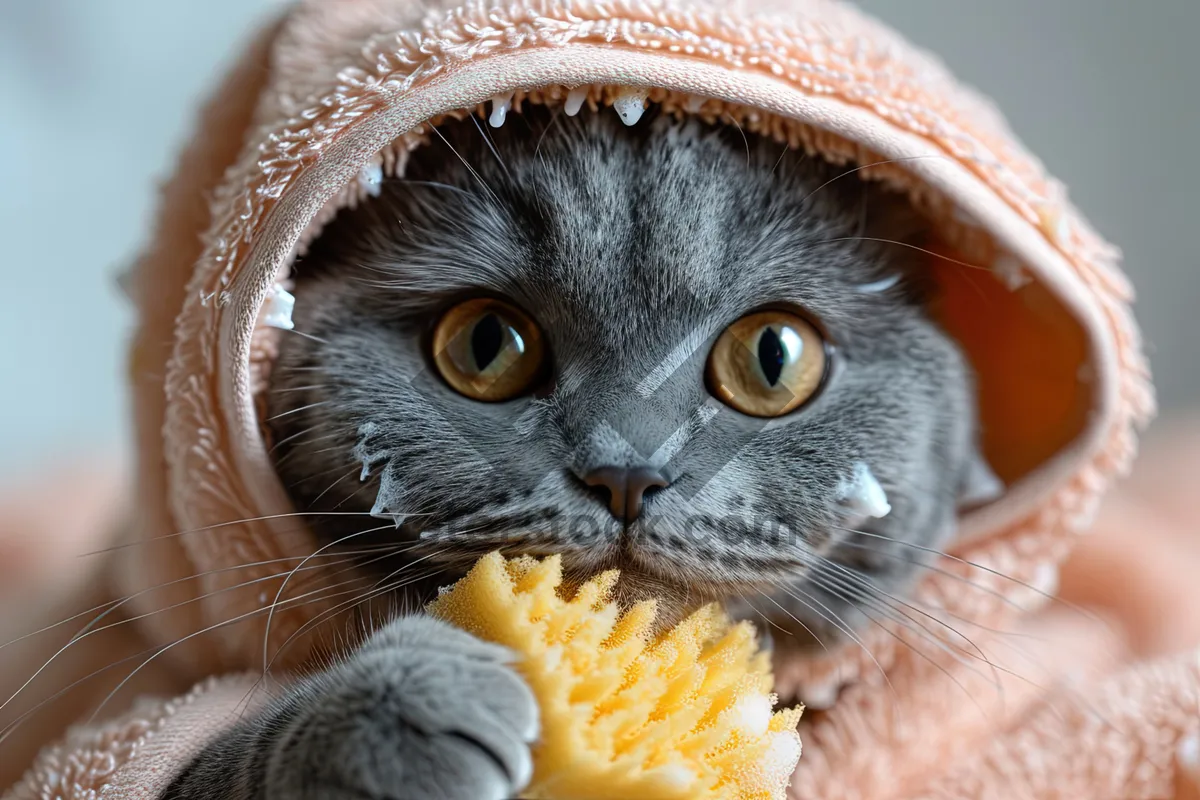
{"points": [[626, 487]]}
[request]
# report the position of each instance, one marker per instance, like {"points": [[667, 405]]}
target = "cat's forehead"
{"points": [[676, 220], [599, 230]]}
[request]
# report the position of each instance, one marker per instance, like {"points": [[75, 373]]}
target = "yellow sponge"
{"points": [[684, 716]]}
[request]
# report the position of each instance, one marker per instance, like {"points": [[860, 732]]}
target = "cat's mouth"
{"points": [[682, 568]]}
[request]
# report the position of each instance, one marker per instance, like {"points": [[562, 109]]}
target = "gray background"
{"points": [[96, 96]]}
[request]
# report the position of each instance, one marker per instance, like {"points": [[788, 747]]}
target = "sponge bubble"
{"points": [[782, 754], [752, 715], [277, 308], [630, 105]]}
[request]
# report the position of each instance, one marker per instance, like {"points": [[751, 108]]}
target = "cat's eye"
{"points": [[488, 350], [768, 363]]}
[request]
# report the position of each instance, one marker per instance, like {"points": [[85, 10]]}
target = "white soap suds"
{"points": [[277, 308], [782, 754], [863, 494], [370, 178], [575, 100], [362, 451], [501, 104], [753, 715], [875, 287], [389, 488], [630, 105]]}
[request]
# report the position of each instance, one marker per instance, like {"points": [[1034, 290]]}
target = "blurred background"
{"points": [[97, 96]]}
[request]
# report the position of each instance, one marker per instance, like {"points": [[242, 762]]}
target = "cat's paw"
{"points": [[423, 711]]}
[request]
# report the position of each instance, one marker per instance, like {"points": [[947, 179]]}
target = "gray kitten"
{"points": [[607, 264]]}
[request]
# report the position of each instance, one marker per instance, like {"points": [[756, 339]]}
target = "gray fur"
{"points": [[632, 249], [422, 710]]}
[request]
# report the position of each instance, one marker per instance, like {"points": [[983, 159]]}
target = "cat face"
{"points": [[668, 348]]}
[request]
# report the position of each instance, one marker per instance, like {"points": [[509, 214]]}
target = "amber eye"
{"points": [[488, 350], [767, 363]]}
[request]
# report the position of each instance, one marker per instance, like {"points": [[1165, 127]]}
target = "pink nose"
{"points": [[625, 487]]}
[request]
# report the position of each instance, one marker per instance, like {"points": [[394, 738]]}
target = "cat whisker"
{"points": [[886, 629], [890, 601], [292, 453], [356, 492], [933, 568], [113, 605], [356, 469], [910, 246], [745, 138], [349, 605], [398, 570], [832, 618], [467, 164], [967, 563], [487, 138], [90, 629], [887, 600], [537, 150], [375, 591], [332, 613], [773, 624], [1002, 637], [861, 167], [290, 389], [807, 629], [331, 449], [311, 336], [391, 554], [859, 581], [221, 525], [291, 411], [433, 185], [155, 652], [300, 433], [324, 473], [12, 727], [239, 618], [283, 586], [961, 655], [786, 149], [965, 620]]}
